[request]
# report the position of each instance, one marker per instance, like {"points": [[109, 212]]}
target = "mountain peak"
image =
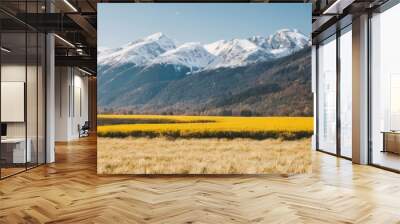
{"points": [[286, 30], [191, 45], [155, 36], [289, 33], [286, 41], [192, 55], [140, 51], [158, 48]]}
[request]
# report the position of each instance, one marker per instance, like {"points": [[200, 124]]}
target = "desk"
{"points": [[391, 141], [13, 150]]}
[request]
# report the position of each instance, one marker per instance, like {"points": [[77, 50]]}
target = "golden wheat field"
{"points": [[202, 156], [158, 144]]}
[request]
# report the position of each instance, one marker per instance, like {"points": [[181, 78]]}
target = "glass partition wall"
{"points": [[327, 95], [334, 115], [334, 93], [14, 153], [22, 77], [385, 89], [345, 90]]}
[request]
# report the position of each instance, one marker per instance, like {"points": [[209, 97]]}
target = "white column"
{"points": [[360, 90], [50, 99]]}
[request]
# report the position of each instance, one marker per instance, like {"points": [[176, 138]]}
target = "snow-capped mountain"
{"points": [[283, 42], [159, 49], [236, 52], [153, 75], [139, 52], [286, 42], [191, 55], [260, 41], [103, 52], [288, 38]]}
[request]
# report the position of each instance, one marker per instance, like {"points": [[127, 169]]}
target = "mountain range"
{"points": [[258, 74]]}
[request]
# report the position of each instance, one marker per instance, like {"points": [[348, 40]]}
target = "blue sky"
{"points": [[120, 23]]}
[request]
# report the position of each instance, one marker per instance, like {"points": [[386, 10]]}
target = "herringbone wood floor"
{"points": [[69, 191]]}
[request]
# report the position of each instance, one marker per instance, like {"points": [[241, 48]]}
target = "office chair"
{"points": [[84, 130]]}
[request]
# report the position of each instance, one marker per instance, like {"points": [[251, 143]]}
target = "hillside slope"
{"points": [[280, 87]]}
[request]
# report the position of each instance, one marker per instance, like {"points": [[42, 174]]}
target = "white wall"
{"points": [[12, 73], [17, 73], [71, 94], [33, 126], [62, 81]]}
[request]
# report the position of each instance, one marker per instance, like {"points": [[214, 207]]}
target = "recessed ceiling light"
{"points": [[64, 40], [70, 5], [86, 72], [337, 7], [5, 50]]}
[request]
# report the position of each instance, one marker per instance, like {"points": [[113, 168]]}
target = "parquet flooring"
{"points": [[70, 191]]}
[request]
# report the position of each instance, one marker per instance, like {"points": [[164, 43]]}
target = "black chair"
{"points": [[84, 130]]}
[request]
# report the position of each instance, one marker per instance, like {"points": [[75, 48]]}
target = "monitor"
{"points": [[3, 129]]}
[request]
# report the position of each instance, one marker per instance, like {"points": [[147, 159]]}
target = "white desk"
{"points": [[19, 154]]}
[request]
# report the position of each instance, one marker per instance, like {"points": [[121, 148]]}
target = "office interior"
{"points": [[48, 76], [356, 84], [44, 91]]}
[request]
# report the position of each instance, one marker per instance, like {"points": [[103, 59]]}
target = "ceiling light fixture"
{"points": [[70, 5], [84, 71], [64, 40], [337, 7], [333, 6], [5, 50]]}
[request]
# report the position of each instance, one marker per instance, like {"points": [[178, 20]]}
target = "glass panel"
{"points": [[41, 99], [23, 90], [31, 100], [346, 93], [13, 88], [327, 96], [385, 81]]}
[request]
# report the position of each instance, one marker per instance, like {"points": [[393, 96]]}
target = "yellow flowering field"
{"points": [[204, 126]]}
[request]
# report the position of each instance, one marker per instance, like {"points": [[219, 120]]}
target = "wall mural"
{"points": [[204, 88]]}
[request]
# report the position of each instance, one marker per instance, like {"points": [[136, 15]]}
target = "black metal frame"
{"points": [[44, 80], [369, 90], [338, 98], [316, 115]]}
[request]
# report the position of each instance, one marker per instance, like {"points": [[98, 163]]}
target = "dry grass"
{"points": [[202, 156]]}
